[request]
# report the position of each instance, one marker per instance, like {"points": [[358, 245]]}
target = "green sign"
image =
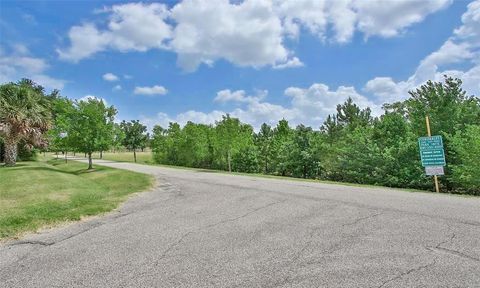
{"points": [[431, 151]]}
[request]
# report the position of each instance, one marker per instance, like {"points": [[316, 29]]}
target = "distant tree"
{"points": [[93, 121], [25, 115], [349, 115], [59, 140], [264, 142], [118, 137], [466, 146], [135, 135], [232, 136], [158, 144], [450, 111], [282, 147]]}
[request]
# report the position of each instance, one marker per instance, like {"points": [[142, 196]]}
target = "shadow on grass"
{"points": [[46, 168]]}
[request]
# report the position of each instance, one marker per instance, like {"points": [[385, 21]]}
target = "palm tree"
{"points": [[24, 115]]}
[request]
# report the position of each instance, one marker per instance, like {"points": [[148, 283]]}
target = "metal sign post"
{"points": [[432, 154]]}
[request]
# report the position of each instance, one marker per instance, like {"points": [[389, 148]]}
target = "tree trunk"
{"points": [[66, 156], [229, 161], [101, 154], [134, 155], [90, 164], [85, 156], [10, 153]]}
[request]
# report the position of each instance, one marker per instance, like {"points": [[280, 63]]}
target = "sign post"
{"points": [[432, 154]]}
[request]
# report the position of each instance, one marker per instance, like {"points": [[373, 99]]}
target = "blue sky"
{"points": [[257, 60]]}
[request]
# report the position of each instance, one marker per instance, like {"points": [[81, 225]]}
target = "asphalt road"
{"points": [[205, 229]]}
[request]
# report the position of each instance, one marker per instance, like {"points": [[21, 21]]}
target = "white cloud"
{"points": [[88, 97], [117, 88], [245, 33], [154, 90], [20, 64], [238, 96], [390, 18], [463, 47], [292, 63], [130, 27], [110, 77]]}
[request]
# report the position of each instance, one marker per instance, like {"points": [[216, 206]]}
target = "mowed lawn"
{"points": [[43, 193], [142, 157]]}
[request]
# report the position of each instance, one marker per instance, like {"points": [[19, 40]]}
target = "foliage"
{"points": [[25, 116], [93, 129], [466, 146], [135, 136], [351, 145]]}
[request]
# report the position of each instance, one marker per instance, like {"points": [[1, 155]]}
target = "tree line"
{"points": [[351, 145]]}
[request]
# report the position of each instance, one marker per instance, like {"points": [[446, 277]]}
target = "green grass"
{"points": [[142, 157], [147, 158], [43, 193]]}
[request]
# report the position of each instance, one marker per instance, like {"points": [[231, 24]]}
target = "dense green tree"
{"points": [[264, 142], [118, 137], [62, 108], [232, 136], [93, 121], [466, 146], [135, 136], [25, 116]]}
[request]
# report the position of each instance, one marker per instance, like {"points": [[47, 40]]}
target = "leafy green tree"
{"points": [[93, 121], [264, 142], [25, 115], [302, 160], [159, 144], [135, 135], [350, 116], [450, 111], [282, 147], [232, 136], [466, 146], [118, 137], [58, 134]]}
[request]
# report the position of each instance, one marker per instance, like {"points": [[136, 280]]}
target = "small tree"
{"points": [[135, 136], [93, 123]]}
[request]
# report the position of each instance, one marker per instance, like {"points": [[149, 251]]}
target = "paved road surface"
{"points": [[204, 229]]}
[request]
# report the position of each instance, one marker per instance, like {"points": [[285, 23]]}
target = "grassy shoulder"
{"points": [[47, 192], [147, 158], [142, 157]]}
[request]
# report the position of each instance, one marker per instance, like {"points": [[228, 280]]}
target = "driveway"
{"points": [[207, 229]]}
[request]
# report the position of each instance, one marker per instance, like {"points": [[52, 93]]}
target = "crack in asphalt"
{"points": [[403, 274], [361, 219], [438, 248]]}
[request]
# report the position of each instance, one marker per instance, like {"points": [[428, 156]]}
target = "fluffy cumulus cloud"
{"points": [[110, 77], [150, 91], [130, 27], [389, 18], [463, 47], [245, 33], [19, 63]]}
